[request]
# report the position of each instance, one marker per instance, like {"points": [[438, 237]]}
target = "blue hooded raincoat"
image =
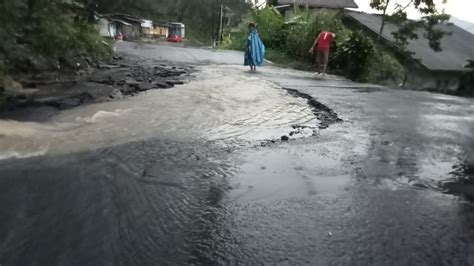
{"points": [[255, 51]]}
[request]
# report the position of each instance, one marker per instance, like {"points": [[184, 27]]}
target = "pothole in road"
{"points": [[325, 115]]}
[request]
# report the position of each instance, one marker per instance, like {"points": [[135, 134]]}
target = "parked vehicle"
{"points": [[176, 32], [174, 38]]}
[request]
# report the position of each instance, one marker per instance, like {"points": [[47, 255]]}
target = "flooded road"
{"points": [[217, 105], [198, 174]]}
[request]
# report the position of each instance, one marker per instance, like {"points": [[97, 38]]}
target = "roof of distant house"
{"points": [[160, 24], [469, 26], [125, 17], [336, 4], [456, 47], [121, 22]]}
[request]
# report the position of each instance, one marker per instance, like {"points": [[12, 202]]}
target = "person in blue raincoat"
{"points": [[255, 51]]}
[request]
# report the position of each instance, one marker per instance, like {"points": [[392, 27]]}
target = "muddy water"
{"points": [[217, 105]]}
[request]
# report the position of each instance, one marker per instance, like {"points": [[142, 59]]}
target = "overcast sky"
{"points": [[462, 9]]}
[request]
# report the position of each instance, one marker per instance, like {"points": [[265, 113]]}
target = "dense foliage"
{"points": [[354, 55], [41, 33]]}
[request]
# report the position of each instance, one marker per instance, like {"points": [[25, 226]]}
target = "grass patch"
{"points": [[194, 43], [281, 59]]}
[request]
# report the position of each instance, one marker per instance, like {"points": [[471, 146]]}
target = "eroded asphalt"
{"points": [[199, 175]]}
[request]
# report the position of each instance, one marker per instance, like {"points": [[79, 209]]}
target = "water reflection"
{"points": [[396, 149]]}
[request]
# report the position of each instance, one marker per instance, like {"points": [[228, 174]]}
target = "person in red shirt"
{"points": [[323, 46]]}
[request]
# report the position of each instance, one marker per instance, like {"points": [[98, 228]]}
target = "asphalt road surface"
{"points": [[199, 174]]}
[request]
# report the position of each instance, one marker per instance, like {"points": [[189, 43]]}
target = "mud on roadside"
{"points": [[41, 96]]}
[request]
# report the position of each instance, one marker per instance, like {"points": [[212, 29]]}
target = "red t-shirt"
{"points": [[325, 39]]}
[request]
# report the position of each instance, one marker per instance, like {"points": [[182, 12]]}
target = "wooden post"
{"points": [[221, 23]]}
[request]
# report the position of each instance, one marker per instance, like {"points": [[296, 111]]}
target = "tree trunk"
{"points": [[381, 28], [213, 19], [383, 21]]}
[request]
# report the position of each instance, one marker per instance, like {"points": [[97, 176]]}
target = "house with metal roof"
{"points": [[109, 27], [286, 6], [160, 29], [129, 26], [427, 68]]}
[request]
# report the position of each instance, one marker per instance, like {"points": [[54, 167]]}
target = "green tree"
{"points": [[354, 55], [381, 5], [408, 28], [40, 33]]}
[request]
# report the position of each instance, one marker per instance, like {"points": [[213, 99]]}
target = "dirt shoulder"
{"points": [[37, 97]]}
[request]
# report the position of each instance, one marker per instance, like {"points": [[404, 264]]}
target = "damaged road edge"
{"points": [[325, 115]]}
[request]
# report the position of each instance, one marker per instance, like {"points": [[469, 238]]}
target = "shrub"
{"points": [[353, 55], [383, 68], [233, 42], [32, 30], [466, 86], [303, 28], [270, 27], [236, 39], [282, 59]]}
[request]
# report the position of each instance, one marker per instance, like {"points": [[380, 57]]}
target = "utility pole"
{"points": [[221, 22], [224, 9], [213, 19]]}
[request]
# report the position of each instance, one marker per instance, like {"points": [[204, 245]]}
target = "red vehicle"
{"points": [[176, 32], [174, 38]]}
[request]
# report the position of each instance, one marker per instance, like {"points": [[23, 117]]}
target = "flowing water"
{"points": [[218, 105]]}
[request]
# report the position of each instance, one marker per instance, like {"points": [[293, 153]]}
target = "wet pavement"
{"points": [[198, 174]]}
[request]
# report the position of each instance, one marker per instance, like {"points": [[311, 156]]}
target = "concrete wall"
{"points": [[106, 29], [136, 31], [147, 27], [432, 80], [126, 31], [159, 31]]}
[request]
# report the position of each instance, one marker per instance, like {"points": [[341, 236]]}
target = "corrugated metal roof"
{"points": [[457, 47], [124, 17], [336, 4], [121, 22], [160, 24]]}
